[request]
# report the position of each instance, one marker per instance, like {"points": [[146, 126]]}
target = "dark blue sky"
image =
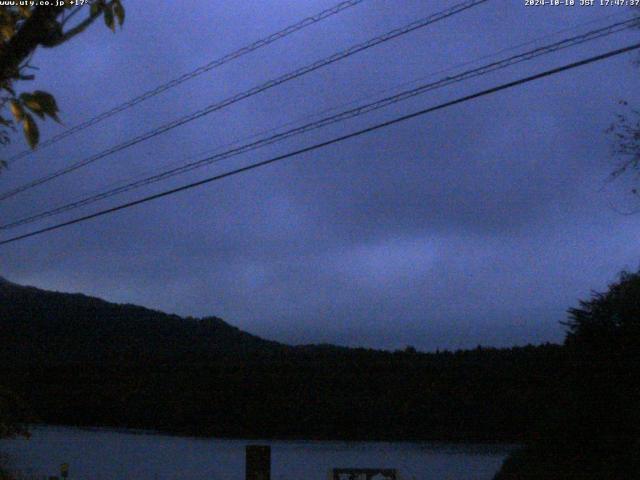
{"points": [[478, 224]]}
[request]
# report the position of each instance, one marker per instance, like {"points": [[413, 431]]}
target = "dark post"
{"points": [[258, 466]]}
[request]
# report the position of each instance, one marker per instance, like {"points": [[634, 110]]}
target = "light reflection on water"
{"points": [[101, 454]]}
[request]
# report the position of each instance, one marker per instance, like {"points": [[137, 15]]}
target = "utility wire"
{"points": [[332, 141], [144, 174], [254, 91], [192, 74], [347, 114]]}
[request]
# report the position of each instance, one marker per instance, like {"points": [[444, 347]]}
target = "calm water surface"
{"points": [[109, 454]]}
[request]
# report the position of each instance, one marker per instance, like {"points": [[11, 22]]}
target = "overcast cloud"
{"points": [[478, 224]]}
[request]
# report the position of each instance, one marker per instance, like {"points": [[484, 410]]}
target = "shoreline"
{"points": [[437, 443]]}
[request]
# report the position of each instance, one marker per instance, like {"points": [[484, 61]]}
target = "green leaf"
{"points": [[41, 103], [31, 131], [49, 105], [32, 104], [96, 8], [16, 110], [108, 17], [118, 9]]}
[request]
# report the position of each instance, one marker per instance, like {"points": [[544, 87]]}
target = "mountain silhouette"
{"points": [[80, 360], [43, 326]]}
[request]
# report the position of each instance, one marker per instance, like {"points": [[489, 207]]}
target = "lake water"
{"points": [[111, 454]]}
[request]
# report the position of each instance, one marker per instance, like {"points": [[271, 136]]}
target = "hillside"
{"points": [[43, 326], [78, 360]]}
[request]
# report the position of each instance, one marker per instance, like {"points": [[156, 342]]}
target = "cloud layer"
{"points": [[479, 224]]}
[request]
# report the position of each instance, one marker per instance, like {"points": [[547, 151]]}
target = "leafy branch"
{"points": [[22, 30]]}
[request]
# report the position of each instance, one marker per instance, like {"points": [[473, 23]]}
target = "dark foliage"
{"points": [[13, 414], [594, 431], [565, 462], [82, 361], [43, 327], [608, 324]]}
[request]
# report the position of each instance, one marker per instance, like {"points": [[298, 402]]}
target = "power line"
{"points": [[326, 143], [192, 74], [347, 114], [237, 141], [254, 91]]}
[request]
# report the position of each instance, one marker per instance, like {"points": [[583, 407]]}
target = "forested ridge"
{"points": [[70, 359], [78, 360]]}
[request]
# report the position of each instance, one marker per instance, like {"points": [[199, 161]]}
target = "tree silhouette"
{"points": [[609, 322], [593, 429], [22, 30], [12, 412]]}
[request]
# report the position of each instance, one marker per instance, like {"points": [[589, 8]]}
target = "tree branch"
{"points": [[40, 27], [79, 28]]}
